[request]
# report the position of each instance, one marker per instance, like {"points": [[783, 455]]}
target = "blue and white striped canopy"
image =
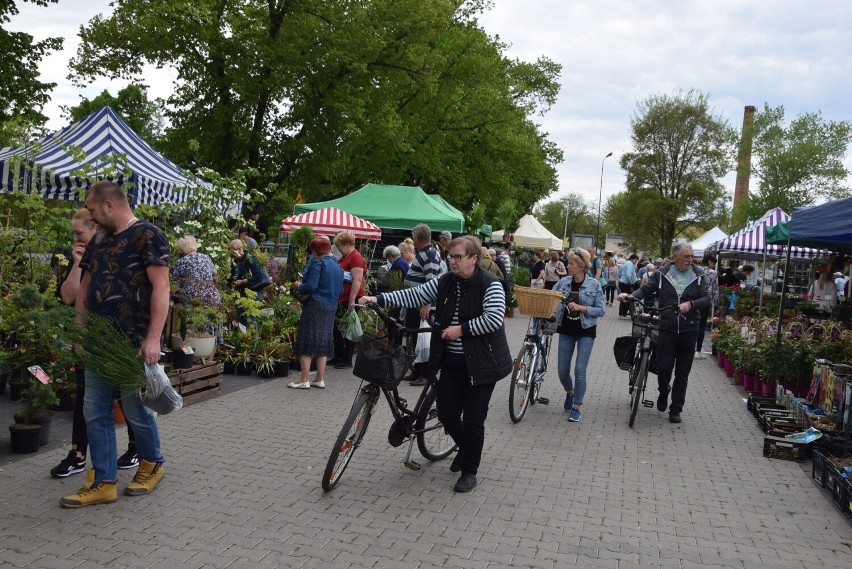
{"points": [[107, 142]]}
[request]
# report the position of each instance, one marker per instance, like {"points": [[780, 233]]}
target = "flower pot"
{"points": [[181, 360], [4, 377], [65, 401], [242, 368], [228, 368], [45, 419], [748, 382], [203, 346], [729, 368], [26, 438], [738, 377], [721, 361], [766, 388], [117, 413], [510, 313]]}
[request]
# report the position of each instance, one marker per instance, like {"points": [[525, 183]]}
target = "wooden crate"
{"points": [[201, 381]]}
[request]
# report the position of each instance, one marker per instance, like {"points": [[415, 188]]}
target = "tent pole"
{"points": [[774, 367], [763, 274]]}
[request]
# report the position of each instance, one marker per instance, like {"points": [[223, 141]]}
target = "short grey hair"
{"points": [[187, 244], [422, 232], [391, 251], [678, 247]]}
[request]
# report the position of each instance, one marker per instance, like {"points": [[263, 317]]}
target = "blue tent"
{"points": [[106, 141]]}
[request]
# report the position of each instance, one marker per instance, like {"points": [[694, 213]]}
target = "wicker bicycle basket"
{"points": [[537, 301], [381, 363]]}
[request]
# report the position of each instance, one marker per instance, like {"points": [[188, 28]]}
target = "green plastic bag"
{"points": [[352, 330]]}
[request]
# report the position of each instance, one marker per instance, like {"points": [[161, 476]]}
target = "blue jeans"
{"points": [[566, 352], [100, 426]]}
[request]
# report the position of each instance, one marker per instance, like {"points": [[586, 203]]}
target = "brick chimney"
{"points": [[744, 158]]}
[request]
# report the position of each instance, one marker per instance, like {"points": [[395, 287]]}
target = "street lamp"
{"points": [[600, 198]]}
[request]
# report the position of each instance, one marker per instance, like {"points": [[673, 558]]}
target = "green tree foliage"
{"points": [[797, 164], [680, 152], [144, 116], [322, 96], [22, 94], [572, 211]]}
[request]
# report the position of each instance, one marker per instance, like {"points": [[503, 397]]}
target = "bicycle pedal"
{"points": [[543, 400], [646, 403], [412, 465]]}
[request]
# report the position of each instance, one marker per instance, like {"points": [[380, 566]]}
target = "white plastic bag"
{"points": [[159, 395], [421, 349]]}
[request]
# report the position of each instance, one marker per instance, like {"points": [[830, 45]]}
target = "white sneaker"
{"points": [[700, 356], [318, 384], [297, 385]]}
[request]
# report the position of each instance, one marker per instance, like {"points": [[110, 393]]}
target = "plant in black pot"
{"points": [[32, 425], [272, 351]]}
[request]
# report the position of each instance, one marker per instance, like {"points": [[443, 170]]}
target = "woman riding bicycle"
{"points": [[471, 352], [577, 327]]}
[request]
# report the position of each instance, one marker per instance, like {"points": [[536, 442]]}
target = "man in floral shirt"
{"points": [[126, 280]]}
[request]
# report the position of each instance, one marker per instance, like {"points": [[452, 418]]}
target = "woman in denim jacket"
{"points": [[577, 322]]}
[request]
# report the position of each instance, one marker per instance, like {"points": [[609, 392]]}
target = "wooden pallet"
{"points": [[200, 382]]}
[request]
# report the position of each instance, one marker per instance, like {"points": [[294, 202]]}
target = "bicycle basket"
{"points": [[643, 324], [537, 301], [380, 363], [624, 350]]}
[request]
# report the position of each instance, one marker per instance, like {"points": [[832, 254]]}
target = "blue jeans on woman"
{"points": [[100, 426], [583, 345]]}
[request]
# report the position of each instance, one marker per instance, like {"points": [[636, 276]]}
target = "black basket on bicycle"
{"points": [[381, 363], [624, 351], [644, 323]]}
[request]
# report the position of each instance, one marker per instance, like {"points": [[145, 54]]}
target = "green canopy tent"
{"points": [[827, 226], [395, 207]]}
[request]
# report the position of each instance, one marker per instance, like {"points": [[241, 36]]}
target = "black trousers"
{"points": [[610, 292], [674, 354], [702, 326], [623, 306], [462, 408], [343, 348]]}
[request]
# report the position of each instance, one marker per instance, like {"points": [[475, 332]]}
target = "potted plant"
{"points": [[198, 326], [824, 264], [33, 423]]}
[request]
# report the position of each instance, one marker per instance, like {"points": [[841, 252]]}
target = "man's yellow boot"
{"points": [[145, 479], [103, 493]]}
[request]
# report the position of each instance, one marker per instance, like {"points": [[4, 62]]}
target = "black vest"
{"points": [[487, 356]]}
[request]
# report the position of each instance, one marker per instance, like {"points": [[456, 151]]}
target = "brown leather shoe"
{"points": [[419, 381]]}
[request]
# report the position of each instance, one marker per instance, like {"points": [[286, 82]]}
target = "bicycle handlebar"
{"points": [[395, 324]]}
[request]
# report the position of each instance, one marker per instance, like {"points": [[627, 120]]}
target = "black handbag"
{"points": [[303, 297]]}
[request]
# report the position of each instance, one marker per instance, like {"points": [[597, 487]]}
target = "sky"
{"points": [[614, 54]]}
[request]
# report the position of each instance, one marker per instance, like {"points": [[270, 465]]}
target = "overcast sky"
{"points": [[614, 53]]}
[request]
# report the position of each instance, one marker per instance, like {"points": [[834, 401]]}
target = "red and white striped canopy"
{"points": [[331, 221]]}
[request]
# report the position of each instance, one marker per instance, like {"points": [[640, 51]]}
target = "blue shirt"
{"points": [[326, 288], [627, 273]]}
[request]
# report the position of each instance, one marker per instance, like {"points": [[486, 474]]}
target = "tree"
{"points": [[322, 96], [681, 150], [795, 165], [131, 103], [571, 214], [22, 94]]}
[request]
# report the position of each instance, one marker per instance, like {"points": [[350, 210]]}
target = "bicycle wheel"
{"points": [[641, 377], [520, 390], [434, 442], [348, 440], [541, 364]]}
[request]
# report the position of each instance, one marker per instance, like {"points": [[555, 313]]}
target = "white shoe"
{"points": [[318, 384], [700, 356], [297, 385]]}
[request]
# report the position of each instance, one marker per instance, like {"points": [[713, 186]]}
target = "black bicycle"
{"points": [[646, 327], [381, 364], [530, 366]]}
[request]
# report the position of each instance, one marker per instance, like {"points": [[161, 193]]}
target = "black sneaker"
{"points": [[129, 459], [466, 483], [69, 465], [342, 365], [663, 401], [674, 417]]}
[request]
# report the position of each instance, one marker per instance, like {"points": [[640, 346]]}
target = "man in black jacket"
{"points": [[684, 286], [471, 352]]}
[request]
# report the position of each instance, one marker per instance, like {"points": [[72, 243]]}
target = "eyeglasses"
{"points": [[457, 257]]}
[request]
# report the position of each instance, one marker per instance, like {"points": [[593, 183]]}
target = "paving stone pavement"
{"points": [[242, 489]]}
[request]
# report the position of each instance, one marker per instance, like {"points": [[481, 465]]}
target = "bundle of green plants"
{"points": [[109, 352]]}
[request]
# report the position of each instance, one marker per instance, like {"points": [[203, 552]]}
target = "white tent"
{"points": [[531, 234], [707, 239]]}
